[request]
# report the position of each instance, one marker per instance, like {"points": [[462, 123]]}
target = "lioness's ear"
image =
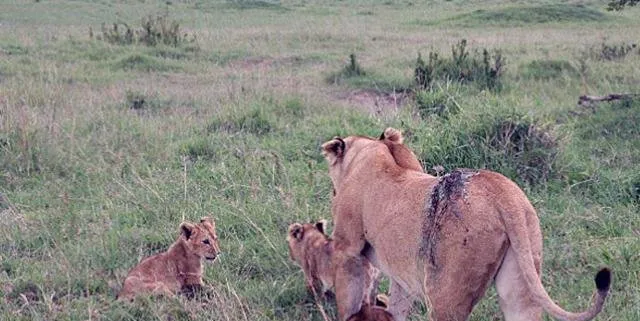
{"points": [[393, 135], [296, 231], [333, 149], [187, 229], [321, 225]]}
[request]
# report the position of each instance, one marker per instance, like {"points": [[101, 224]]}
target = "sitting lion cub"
{"points": [[311, 249], [179, 269]]}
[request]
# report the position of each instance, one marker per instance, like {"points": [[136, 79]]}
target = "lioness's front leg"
{"points": [[400, 302], [348, 264], [349, 282]]}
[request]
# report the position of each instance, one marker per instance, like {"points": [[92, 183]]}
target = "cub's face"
{"points": [[201, 238], [300, 238]]}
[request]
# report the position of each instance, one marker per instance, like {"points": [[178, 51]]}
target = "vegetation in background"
{"points": [[524, 15], [611, 52], [440, 101], [617, 5], [548, 69], [351, 70], [154, 30], [485, 70], [106, 147], [509, 143]]}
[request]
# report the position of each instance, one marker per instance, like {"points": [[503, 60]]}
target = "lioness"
{"points": [[444, 239], [311, 249], [179, 269]]}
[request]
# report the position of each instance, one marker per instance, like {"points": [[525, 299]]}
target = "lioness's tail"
{"points": [[520, 242]]}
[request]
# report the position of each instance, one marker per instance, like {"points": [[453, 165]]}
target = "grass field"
{"points": [[106, 147]]}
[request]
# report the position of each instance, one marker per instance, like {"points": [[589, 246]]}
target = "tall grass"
{"points": [[105, 149]]}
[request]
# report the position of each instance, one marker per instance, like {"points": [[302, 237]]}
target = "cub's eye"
{"points": [[206, 242]]}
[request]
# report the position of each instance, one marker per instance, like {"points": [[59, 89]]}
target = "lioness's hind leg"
{"points": [[515, 301]]}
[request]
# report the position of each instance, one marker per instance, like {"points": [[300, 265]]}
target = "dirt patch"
{"points": [[373, 100], [25, 293], [442, 200], [251, 63]]}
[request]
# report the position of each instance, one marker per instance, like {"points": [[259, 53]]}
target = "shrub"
{"points": [[135, 100], [484, 69], [424, 72], [617, 5], [507, 143], [613, 52], [529, 149], [154, 30], [351, 70]]}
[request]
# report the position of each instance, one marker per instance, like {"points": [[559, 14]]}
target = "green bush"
{"points": [[611, 52], [511, 144], [617, 5], [351, 70], [154, 30], [483, 69]]}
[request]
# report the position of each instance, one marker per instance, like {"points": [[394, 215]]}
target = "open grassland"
{"points": [[106, 147]]}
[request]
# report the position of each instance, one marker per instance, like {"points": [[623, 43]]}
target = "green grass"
{"points": [[548, 69], [510, 16], [92, 180]]}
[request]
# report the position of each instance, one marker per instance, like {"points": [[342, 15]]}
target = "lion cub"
{"points": [[312, 250], [179, 269]]}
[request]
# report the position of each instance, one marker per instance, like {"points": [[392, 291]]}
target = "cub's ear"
{"points": [[333, 149], [296, 231], [321, 225], [393, 135], [187, 230]]}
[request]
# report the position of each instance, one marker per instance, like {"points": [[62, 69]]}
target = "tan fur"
{"points": [[442, 239], [312, 250], [403, 156], [179, 269]]}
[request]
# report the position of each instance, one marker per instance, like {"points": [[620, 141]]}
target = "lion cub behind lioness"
{"points": [[179, 269], [312, 250]]}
